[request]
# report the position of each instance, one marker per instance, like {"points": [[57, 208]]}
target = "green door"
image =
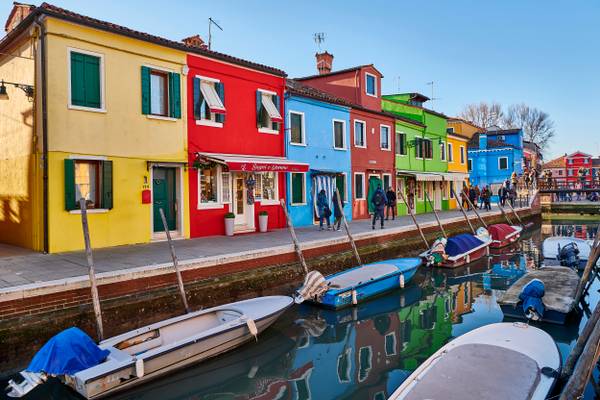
{"points": [[163, 196], [374, 182]]}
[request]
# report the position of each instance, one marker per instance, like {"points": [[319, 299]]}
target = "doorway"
{"points": [[437, 202], [244, 213], [374, 183], [164, 195]]}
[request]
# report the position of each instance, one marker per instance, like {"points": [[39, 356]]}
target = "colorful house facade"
{"points": [[318, 126], [459, 133], [557, 167], [575, 162]]}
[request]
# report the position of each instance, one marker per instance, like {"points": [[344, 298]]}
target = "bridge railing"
{"points": [[573, 184]]}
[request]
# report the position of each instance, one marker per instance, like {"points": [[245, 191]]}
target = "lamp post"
{"points": [[28, 89]]}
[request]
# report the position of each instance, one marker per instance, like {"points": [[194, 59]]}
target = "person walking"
{"points": [[486, 195], [472, 197], [512, 195], [337, 212], [379, 201], [464, 195], [323, 209], [391, 204], [478, 201]]}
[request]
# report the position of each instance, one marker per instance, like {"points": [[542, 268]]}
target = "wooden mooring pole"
{"points": [[504, 213], [475, 211], [414, 219], [591, 263], [437, 218], [354, 248], [175, 261], [91, 270], [463, 210], [514, 212], [294, 237]]}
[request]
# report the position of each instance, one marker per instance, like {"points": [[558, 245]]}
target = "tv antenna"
{"points": [[212, 22], [319, 38], [432, 83]]}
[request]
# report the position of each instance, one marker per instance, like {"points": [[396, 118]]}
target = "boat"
{"points": [[497, 361], [357, 285], [566, 251], [458, 250], [146, 353], [504, 235]]}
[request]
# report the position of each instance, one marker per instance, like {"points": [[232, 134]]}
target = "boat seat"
{"points": [[357, 276], [479, 372]]}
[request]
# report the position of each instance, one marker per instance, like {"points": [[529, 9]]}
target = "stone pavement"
{"points": [[22, 268]]}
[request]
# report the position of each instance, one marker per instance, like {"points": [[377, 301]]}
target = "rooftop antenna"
{"points": [[432, 98], [398, 83], [212, 22], [319, 38]]}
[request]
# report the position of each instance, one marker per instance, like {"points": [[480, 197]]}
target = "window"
{"points": [[267, 111], [371, 84], [570, 172], [387, 182], [359, 186], [503, 163], [501, 138], [344, 365], [209, 101], [269, 187], [443, 151], [570, 161], [339, 134], [419, 187], [340, 183], [88, 179], [449, 129], [451, 189], [161, 93], [450, 155], [401, 143], [585, 160], [423, 148], [418, 148], [298, 188], [365, 359], [560, 172], [226, 187], [360, 139], [390, 344], [297, 135], [86, 82], [208, 187], [470, 164], [384, 137], [462, 154]]}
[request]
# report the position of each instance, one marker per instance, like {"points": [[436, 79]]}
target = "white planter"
{"points": [[263, 222], [229, 223]]}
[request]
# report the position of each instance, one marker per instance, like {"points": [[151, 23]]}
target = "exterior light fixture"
{"points": [[28, 89], [3, 93]]}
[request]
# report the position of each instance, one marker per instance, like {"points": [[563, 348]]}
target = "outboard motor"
{"points": [[568, 255]]}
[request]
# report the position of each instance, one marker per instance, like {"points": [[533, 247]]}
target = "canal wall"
{"points": [[30, 315]]}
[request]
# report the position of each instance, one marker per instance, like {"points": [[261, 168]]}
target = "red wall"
{"points": [[239, 135], [578, 162]]}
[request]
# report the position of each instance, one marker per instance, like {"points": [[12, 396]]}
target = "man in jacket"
{"points": [[337, 211], [379, 201], [391, 204], [323, 209]]}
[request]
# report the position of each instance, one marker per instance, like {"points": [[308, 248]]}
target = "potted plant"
{"points": [[229, 223], [263, 221]]}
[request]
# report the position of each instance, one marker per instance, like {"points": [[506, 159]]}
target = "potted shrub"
{"points": [[263, 221], [229, 223]]}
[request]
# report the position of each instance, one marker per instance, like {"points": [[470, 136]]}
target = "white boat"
{"points": [[552, 246], [154, 350], [498, 361]]}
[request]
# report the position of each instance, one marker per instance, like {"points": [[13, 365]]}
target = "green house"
{"points": [[421, 143]]}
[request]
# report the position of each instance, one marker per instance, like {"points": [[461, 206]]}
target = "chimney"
{"points": [[483, 141], [19, 12], [324, 62], [195, 41]]}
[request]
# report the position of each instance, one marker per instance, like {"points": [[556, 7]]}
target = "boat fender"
{"points": [[139, 368], [253, 371], [550, 372], [354, 298], [252, 328], [402, 281]]}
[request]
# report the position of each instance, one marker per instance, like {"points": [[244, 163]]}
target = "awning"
{"points": [[212, 97], [272, 109], [248, 163], [422, 176], [454, 176]]}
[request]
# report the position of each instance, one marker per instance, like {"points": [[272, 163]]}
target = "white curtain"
{"points": [[321, 182]]}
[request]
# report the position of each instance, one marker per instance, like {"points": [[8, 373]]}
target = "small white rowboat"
{"points": [[498, 361]]}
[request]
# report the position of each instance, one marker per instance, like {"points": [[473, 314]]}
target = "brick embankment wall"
{"points": [[25, 324]]}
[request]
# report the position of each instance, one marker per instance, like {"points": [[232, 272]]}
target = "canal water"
{"points": [[367, 351]]}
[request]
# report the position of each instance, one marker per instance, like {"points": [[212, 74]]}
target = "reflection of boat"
{"points": [[504, 235], [556, 251], [504, 274], [459, 250], [516, 353]]}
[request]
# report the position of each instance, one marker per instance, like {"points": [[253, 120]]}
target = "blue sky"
{"points": [[543, 53]]}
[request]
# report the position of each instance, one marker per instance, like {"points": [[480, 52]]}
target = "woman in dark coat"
{"points": [[337, 212]]}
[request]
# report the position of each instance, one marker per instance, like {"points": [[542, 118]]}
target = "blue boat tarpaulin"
{"points": [[67, 353], [461, 244], [532, 295]]}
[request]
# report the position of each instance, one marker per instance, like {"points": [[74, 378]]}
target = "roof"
{"points": [[558, 162], [14, 9], [491, 143], [340, 71], [578, 152], [439, 114], [298, 89], [457, 119], [70, 16], [596, 161], [458, 135], [503, 131]]}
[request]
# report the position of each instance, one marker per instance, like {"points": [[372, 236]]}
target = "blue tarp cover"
{"points": [[461, 244], [532, 295], [67, 353]]}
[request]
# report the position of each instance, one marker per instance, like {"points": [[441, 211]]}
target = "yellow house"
{"points": [[459, 133], [95, 111]]}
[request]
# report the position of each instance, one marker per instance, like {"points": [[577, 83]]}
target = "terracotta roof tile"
{"points": [[558, 162], [340, 71]]}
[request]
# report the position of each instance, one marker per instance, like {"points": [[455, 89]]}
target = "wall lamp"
{"points": [[28, 89]]}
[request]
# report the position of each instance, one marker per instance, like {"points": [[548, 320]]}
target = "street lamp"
{"points": [[28, 89]]}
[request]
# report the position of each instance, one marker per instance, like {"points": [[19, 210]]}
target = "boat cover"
{"points": [[67, 353], [532, 295], [461, 244], [500, 231]]}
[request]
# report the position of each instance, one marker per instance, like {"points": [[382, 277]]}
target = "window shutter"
{"points": [[258, 107], [107, 185], [276, 102], [77, 79], [175, 95], [92, 81], [70, 203], [220, 89], [197, 99], [145, 90]]}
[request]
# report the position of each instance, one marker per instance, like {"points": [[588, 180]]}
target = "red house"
{"points": [[235, 143], [576, 161], [371, 130]]}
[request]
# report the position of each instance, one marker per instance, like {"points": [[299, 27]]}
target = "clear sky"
{"points": [[543, 53]]}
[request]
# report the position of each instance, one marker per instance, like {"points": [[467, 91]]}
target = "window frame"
{"points": [[364, 125], [166, 101], [417, 140], [70, 104], [390, 183], [268, 202], [212, 121], [99, 159], [443, 151], [469, 164], [425, 157], [395, 347], [463, 155], [367, 74], [389, 137], [405, 147], [302, 128], [363, 197], [503, 158], [216, 204], [270, 130], [304, 202], [449, 152], [333, 122]]}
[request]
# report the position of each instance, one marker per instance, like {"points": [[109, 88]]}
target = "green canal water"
{"points": [[366, 352]]}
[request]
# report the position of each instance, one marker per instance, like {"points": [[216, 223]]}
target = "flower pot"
{"points": [[263, 223], [229, 223]]}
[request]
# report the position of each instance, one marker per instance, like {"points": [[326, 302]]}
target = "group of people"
{"points": [[479, 198]]}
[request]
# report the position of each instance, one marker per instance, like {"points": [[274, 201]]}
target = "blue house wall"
{"points": [[318, 151], [485, 158]]}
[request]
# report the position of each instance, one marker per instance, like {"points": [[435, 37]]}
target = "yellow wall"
{"points": [[455, 165], [463, 128], [20, 193], [121, 133]]}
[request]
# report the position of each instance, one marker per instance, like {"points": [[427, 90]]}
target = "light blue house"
{"points": [[493, 156], [317, 133]]}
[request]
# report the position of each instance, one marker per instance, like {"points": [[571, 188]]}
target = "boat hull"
{"points": [[516, 312], [465, 259]]}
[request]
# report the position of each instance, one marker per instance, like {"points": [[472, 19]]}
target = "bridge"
{"points": [[569, 196]]}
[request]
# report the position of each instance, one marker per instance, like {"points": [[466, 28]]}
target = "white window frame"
{"points": [[389, 137], [422, 150], [450, 129], [363, 186], [345, 175], [463, 155], [211, 121], [374, 85], [269, 130], [302, 128], [449, 152], [367, 370], [405, 144], [303, 189], [223, 174], [424, 154], [505, 158], [364, 124], [216, 204], [443, 152], [471, 161], [393, 335], [333, 121], [348, 354], [391, 184], [70, 105], [269, 202]]}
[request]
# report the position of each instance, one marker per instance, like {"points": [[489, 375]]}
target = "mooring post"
{"points": [[354, 248], [591, 262], [580, 344], [463, 210], [514, 212], [504, 213], [294, 238], [91, 271], [437, 218], [175, 261], [414, 219], [475, 210]]}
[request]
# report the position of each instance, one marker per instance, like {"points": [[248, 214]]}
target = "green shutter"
{"points": [[107, 185], [198, 98], [220, 89], [258, 107], [77, 79], [92, 82], [174, 95], [145, 90], [70, 203], [297, 188]]}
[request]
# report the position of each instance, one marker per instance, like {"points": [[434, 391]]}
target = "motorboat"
{"points": [[566, 251], [504, 235]]}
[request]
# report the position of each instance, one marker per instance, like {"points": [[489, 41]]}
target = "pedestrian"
{"points": [[486, 194], [391, 204], [378, 201], [464, 195], [337, 212], [411, 195], [512, 195], [472, 196], [323, 209], [477, 197]]}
